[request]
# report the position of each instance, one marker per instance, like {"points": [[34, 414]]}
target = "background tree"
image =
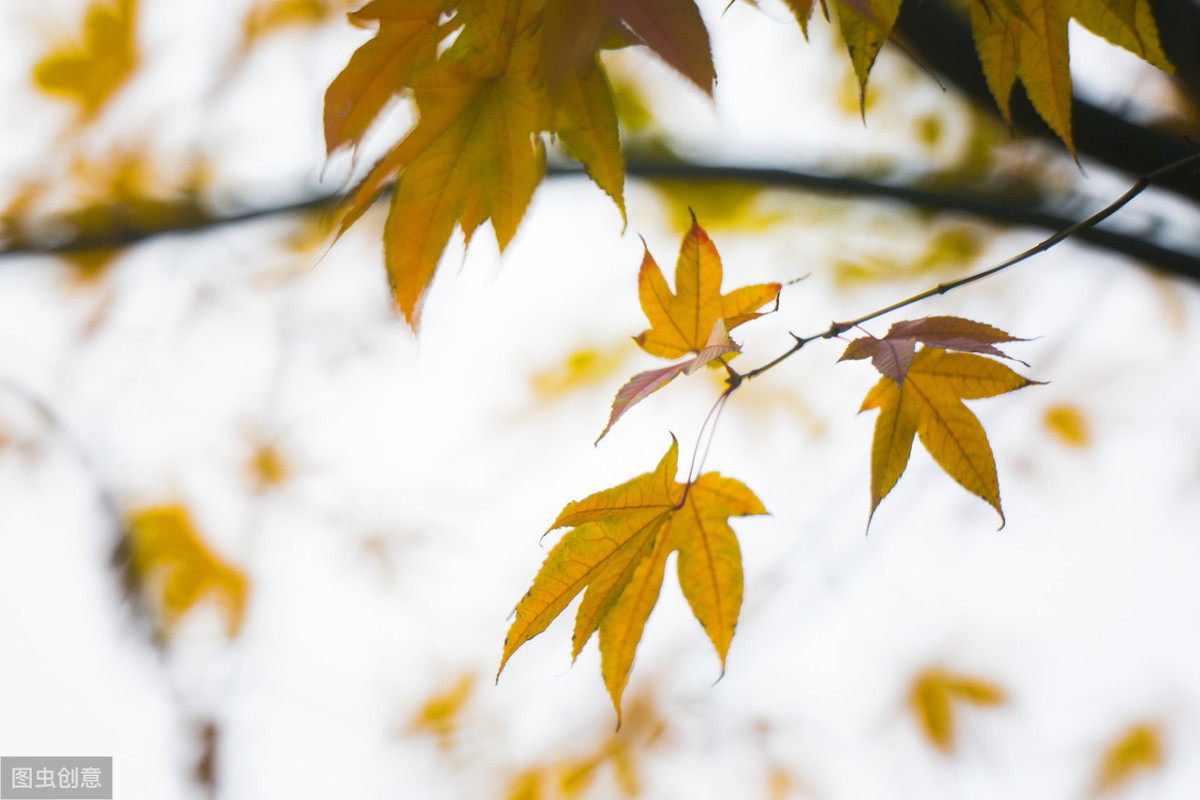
{"points": [[320, 521]]}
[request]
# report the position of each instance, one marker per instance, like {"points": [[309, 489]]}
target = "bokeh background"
{"points": [[351, 511]]}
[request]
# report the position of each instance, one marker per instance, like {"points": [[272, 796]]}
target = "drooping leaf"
{"points": [[472, 156], [475, 153], [928, 403], [932, 698], [643, 384], [681, 322], [407, 40], [892, 353], [586, 124], [865, 26], [616, 554], [1137, 750], [1027, 40], [90, 71], [171, 559], [675, 31]]}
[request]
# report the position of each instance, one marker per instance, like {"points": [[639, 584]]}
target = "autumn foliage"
{"points": [[515, 71], [495, 89]]}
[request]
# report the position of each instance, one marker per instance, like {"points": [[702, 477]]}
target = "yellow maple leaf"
{"points": [[931, 699], [617, 550], [89, 72], [681, 322], [169, 556], [928, 403], [1027, 40], [1138, 749]]}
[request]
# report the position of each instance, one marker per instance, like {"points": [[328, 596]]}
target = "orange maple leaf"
{"points": [[928, 403], [407, 40], [617, 550], [475, 152], [931, 699], [681, 323]]}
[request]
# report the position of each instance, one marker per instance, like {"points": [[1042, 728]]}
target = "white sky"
{"points": [[424, 470]]}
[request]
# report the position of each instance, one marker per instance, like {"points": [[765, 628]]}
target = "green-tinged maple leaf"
{"points": [[90, 71], [407, 40], [681, 322], [1137, 750], [169, 557], [617, 551], [892, 353], [932, 696], [586, 124], [928, 403], [644, 384], [1027, 40], [865, 26]]}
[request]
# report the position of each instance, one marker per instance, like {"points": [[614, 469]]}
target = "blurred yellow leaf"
{"points": [[171, 560], [1068, 424], [576, 775], [526, 786], [720, 205], [1138, 750], [440, 714], [272, 16], [267, 467], [931, 701], [588, 366], [88, 72]]}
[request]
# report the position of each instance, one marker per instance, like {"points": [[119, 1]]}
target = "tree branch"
{"points": [[189, 216]]}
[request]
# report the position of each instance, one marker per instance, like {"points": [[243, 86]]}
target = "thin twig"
{"points": [[838, 328]]}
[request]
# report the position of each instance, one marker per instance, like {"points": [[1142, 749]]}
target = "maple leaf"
{"points": [[931, 699], [928, 403], [617, 550], [681, 323], [475, 152], [643, 384], [1027, 40], [892, 353], [1139, 749], [90, 72], [865, 26], [168, 554], [407, 40]]}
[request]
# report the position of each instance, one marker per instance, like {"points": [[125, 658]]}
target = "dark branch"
{"points": [[187, 216]]}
